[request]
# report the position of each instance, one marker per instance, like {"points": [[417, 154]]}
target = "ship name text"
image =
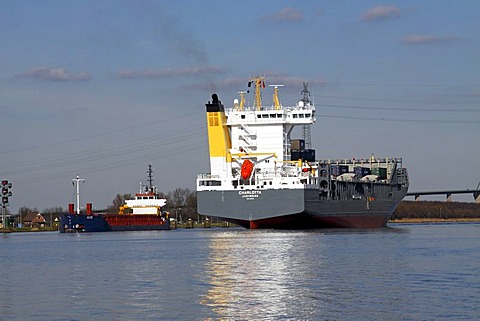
{"points": [[249, 195]]}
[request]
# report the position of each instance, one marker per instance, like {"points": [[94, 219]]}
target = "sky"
{"points": [[101, 89]]}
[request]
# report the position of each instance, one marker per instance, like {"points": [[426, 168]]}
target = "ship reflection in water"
{"points": [[262, 275]]}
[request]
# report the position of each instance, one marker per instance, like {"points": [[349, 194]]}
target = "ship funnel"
{"points": [[218, 136]]}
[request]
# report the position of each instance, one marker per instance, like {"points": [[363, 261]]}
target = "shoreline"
{"points": [[395, 221], [436, 220]]}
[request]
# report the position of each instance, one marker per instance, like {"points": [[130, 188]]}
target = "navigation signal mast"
{"points": [[306, 128]]}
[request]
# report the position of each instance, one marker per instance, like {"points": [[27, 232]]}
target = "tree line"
{"points": [[436, 210]]}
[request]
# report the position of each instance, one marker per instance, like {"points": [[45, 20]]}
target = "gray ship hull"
{"points": [[296, 209]]}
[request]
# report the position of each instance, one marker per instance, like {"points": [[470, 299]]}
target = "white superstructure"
{"points": [[146, 203], [147, 200], [259, 134]]}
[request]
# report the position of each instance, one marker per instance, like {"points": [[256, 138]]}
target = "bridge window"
{"points": [[210, 183]]}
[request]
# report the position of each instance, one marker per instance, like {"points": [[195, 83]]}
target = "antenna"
{"points": [[306, 128], [306, 94]]}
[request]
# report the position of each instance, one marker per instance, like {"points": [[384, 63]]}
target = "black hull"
{"points": [[305, 221]]}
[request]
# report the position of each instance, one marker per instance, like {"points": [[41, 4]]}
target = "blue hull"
{"points": [[71, 223]]}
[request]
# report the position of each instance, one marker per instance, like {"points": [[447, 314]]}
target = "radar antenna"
{"points": [[306, 128]]}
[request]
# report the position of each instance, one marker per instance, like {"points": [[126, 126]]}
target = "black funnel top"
{"points": [[215, 105]]}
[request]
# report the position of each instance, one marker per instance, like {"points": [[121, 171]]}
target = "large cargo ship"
{"points": [[145, 213], [261, 178]]}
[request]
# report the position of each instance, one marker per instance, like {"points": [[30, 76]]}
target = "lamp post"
{"points": [[176, 213]]}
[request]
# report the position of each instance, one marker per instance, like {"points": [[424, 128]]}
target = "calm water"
{"points": [[405, 272]]}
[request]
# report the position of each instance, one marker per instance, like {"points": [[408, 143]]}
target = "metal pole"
{"points": [[4, 216]]}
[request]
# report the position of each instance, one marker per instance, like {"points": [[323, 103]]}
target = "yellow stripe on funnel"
{"points": [[218, 135]]}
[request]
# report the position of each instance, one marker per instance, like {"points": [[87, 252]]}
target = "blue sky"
{"points": [[103, 88]]}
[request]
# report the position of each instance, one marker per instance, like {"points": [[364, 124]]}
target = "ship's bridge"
{"points": [[297, 115]]}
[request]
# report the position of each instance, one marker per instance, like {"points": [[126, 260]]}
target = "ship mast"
{"points": [[240, 106], [306, 128], [259, 83], [76, 181], [276, 101], [150, 179]]}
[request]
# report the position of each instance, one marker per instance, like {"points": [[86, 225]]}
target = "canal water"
{"points": [[404, 272]]}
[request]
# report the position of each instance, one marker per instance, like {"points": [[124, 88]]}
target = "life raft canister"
{"points": [[247, 168]]}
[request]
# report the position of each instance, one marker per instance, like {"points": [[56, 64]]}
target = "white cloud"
{"points": [[381, 13], [422, 39], [286, 14], [54, 74]]}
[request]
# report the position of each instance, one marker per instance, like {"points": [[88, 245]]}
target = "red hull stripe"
{"points": [[135, 220], [315, 222]]}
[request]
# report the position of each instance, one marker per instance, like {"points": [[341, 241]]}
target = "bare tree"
{"points": [[177, 197], [118, 201], [50, 214], [185, 200]]}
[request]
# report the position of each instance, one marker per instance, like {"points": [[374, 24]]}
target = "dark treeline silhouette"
{"points": [[436, 210]]}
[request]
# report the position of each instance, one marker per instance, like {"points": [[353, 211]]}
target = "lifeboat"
{"points": [[247, 168]]}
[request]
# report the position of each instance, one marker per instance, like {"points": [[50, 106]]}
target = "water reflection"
{"points": [[261, 275]]}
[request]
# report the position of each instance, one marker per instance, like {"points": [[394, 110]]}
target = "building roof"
{"points": [[34, 218]]}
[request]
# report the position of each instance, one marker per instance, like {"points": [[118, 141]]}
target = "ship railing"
{"points": [[361, 161], [270, 108]]}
